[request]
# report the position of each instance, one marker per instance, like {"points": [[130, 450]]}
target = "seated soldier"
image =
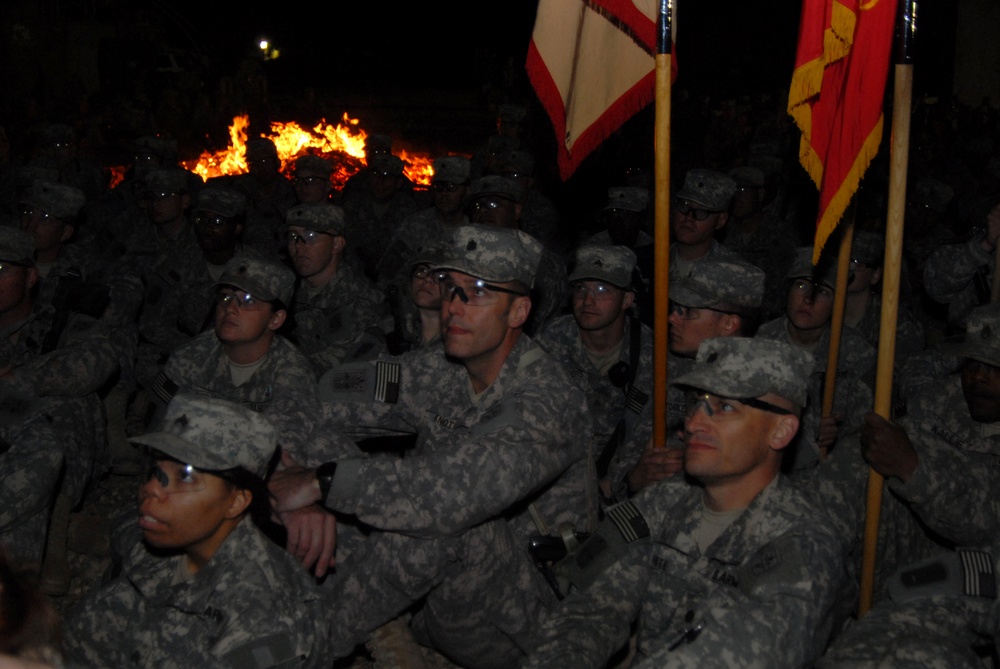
{"points": [[806, 325], [719, 298], [311, 179], [417, 316], [203, 587], [699, 212], [738, 570], [501, 454], [605, 349], [334, 304]]}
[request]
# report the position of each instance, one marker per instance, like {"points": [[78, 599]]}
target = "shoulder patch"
{"points": [[362, 382], [164, 388]]}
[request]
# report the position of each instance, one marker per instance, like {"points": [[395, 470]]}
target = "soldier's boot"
{"points": [[55, 572], [393, 647]]}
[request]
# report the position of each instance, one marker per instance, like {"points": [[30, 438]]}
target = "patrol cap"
{"points": [[310, 165], [747, 176], [161, 147], [741, 367], [214, 434], [522, 162], [16, 246], [498, 186], [493, 254], [629, 198], [934, 194], [264, 279], [318, 216], [771, 166], [57, 133], [56, 199], [386, 163], [868, 247], [802, 268], [167, 180], [500, 145], [455, 169], [430, 254], [378, 143], [712, 282], [225, 201], [261, 147], [708, 188], [981, 340], [611, 264]]}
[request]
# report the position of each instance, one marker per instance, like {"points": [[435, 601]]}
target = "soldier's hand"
{"points": [[293, 486], [312, 537], [654, 465], [829, 427], [887, 448]]}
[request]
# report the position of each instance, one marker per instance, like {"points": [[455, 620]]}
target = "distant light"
{"points": [[263, 45]]}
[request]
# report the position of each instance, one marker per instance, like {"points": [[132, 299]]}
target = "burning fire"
{"points": [[343, 145]]}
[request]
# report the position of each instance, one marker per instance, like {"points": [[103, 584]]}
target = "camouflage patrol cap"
{"points": [[522, 162], [386, 163], [802, 268], [261, 147], [309, 165], [455, 169], [318, 216], [612, 264], [981, 340], [493, 254], [712, 282], [224, 201], [933, 194], [378, 142], [214, 435], [629, 198], [167, 180], [868, 247], [708, 188], [56, 199], [264, 279], [496, 185], [747, 176], [16, 246], [742, 367], [161, 147]]}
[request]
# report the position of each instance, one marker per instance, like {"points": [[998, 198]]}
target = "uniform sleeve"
{"points": [[950, 270]]}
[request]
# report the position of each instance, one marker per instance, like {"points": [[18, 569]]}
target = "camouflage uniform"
{"points": [[680, 267], [959, 275]]}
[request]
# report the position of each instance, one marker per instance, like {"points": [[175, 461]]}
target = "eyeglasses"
{"points": [[725, 408], [307, 237], [241, 299], [308, 181], [686, 209], [423, 272], [479, 294], [487, 203], [445, 186], [37, 214], [814, 290], [512, 174], [207, 221], [599, 291], [157, 197], [691, 313], [181, 477]]}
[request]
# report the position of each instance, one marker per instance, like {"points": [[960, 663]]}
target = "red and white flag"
{"points": [[592, 65]]}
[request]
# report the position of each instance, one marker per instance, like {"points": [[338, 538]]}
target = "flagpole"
{"points": [[899, 157], [837, 324], [662, 223]]}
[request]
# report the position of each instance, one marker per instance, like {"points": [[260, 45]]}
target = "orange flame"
{"points": [[343, 145]]}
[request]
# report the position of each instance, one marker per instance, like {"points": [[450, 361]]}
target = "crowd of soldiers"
{"points": [[393, 426]]}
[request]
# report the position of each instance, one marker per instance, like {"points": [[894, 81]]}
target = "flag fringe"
{"points": [[848, 187]]}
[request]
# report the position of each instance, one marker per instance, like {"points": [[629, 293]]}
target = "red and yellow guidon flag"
{"points": [[592, 65], [836, 97]]}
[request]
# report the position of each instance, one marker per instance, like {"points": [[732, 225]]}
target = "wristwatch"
{"points": [[324, 474]]}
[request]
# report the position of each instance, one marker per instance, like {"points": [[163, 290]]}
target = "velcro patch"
{"points": [[629, 521], [264, 653], [387, 382], [963, 573], [164, 388]]}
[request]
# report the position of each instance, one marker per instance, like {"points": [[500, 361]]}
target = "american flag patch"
{"points": [[387, 382], [164, 388], [635, 399], [979, 579], [629, 521]]}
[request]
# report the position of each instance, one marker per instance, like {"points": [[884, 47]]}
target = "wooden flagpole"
{"points": [[837, 324], [899, 157], [662, 223]]}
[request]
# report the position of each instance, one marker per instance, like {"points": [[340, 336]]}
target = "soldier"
{"points": [[497, 201], [501, 454], [806, 325], [244, 359], [605, 348], [203, 587], [417, 316], [737, 570], [312, 179], [539, 216], [700, 210], [720, 298], [333, 305], [269, 195]]}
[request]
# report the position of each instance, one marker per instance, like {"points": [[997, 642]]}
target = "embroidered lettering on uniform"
{"points": [[948, 436], [766, 560], [352, 381], [257, 406], [387, 382], [724, 577], [446, 422]]}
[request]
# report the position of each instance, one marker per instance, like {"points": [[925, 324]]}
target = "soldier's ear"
{"points": [[277, 319], [628, 300], [783, 431], [520, 307], [67, 232], [239, 501], [339, 242], [31, 278], [723, 219]]}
